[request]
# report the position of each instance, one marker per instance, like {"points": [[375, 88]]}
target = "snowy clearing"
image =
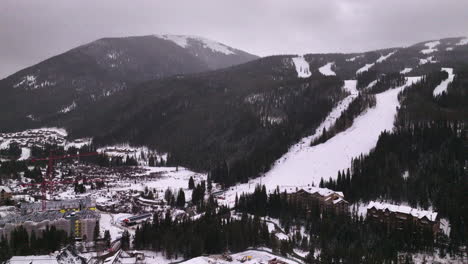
{"points": [[365, 68], [326, 69], [462, 42], [442, 87], [25, 153], [140, 154], [354, 58], [371, 84], [406, 70], [302, 67], [381, 59], [430, 47], [69, 108], [385, 57], [427, 60]]}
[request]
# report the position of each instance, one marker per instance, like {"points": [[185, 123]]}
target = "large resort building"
{"points": [[327, 199], [76, 217], [397, 216]]}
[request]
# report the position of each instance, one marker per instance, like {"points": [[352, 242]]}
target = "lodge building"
{"points": [[327, 199], [397, 216]]}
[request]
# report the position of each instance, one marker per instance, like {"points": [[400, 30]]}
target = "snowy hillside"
{"points": [[310, 164], [303, 165]]}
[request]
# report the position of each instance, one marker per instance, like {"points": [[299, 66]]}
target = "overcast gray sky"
{"points": [[33, 30]]}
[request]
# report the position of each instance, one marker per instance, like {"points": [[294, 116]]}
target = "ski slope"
{"points": [[431, 47], [406, 70], [325, 160], [303, 164], [327, 70], [302, 67], [381, 59], [442, 87]]}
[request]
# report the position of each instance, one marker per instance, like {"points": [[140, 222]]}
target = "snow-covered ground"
{"points": [[327, 70], [112, 222], [431, 47], [442, 87], [152, 257], [254, 256], [141, 154], [385, 57], [462, 42], [183, 41], [421, 258], [427, 60], [302, 67], [371, 84], [68, 108], [381, 59], [365, 68], [303, 165], [353, 58], [406, 70], [25, 153], [40, 137]]}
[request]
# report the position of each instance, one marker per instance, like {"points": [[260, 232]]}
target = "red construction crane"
{"points": [[47, 180]]}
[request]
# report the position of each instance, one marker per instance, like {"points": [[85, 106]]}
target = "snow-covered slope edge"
{"points": [[442, 87]]}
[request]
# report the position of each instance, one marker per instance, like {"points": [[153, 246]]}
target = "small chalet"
{"points": [[5, 194], [399, 215]]}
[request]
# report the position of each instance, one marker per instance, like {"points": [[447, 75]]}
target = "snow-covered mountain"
{"points": [[238, 114], [86, 74]]}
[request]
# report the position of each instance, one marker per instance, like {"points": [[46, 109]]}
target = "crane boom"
{"points": [[46, 182]]}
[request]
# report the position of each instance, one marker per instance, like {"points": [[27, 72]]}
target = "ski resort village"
{"points": [[233, 132]]}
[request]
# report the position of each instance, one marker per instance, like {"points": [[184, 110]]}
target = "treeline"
{"points": [[387, 81], [13, 151], [213, 233], [418, 104], [365, 78], [22, 244], [361, 103], [340, 238], [423, 161], [423, 164], [230, 128]]}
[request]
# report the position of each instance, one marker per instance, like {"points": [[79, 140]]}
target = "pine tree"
{"points": [[181, 199], [96, 231], [107, 238], [191, 183]]}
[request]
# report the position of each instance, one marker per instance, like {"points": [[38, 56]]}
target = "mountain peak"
{"points": [[185, 41]]}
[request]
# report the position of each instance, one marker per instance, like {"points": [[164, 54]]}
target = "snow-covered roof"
{"points": [[338, 200], [404, 210], [44, 259], [311, 190], [5, 189]]}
